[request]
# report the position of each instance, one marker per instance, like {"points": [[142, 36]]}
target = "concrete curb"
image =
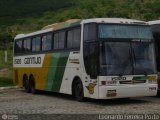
{"points": [[9, 87]]}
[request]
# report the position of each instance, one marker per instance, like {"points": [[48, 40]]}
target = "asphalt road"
{"points": [[17, 102]]}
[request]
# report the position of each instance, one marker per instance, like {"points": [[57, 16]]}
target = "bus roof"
{"points": [[155, 26], [51, 27], [64, 24], [114, 20], [19, 36], [73, 22], [154, 22]]}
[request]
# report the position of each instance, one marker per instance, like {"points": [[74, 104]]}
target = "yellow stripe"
{"points": [[45, 69], [40, 74]]}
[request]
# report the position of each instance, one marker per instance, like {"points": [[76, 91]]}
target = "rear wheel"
{"points": [[26, 84], [32, 85], [78, 90]]}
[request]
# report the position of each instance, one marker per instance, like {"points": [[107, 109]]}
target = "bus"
{"points": [[155, 26], [99, 58]]}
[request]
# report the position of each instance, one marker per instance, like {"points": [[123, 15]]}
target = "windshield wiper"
{"points": [[126, 65], [145, 72], [131, 59], [134, 57]]}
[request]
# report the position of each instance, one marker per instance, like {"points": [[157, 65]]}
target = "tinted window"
{"points": [[90, 32], [73, 38], [91, 51], [36, 44], [56, 40], [70, 39], [18, 46], [124, 31], [27, 45], [47, 42], [59, 40]]}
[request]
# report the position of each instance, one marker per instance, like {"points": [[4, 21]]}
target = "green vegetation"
{"points": [[17, 16], [6, 69], [6, 77], [23, 16], [4, 82], [9, 62]]}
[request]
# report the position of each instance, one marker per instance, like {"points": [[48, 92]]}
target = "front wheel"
{"points": [[78, 90]]}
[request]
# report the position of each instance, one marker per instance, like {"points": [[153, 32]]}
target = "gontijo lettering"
{"points": [[32, 60]]}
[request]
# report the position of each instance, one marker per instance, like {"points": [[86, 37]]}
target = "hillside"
{"points": [[18, 16]]}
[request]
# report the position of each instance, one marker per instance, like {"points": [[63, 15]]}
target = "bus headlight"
{"points": [[152, 79]]}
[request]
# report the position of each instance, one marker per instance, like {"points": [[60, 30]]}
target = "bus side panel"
{"points": [[39, 71], [18, 75], [56, 71], [72, 70]]}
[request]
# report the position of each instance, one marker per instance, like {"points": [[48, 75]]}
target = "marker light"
{"points": [[103, 82]]}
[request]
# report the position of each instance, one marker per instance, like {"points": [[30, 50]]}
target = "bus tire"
{"points": [[26, 84], [78, 90], [32, 85]]}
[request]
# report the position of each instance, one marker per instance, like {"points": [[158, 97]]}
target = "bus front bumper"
{"points": [[127, 91]]}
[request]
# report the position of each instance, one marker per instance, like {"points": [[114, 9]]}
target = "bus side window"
{"points": [[90, 32], [59, 40], [73, 38], [18, 47], [36, 44], [27, 45], [56, 41], [47, 42]]}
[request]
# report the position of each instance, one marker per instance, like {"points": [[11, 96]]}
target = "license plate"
{"points": [[111, 93]]}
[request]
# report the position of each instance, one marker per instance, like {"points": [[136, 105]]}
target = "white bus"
{"points": [[155, 26], [101, 58]]}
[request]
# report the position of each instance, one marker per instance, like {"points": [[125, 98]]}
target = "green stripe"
{"points": [[60, 72], [56, 71], [52, 71]]}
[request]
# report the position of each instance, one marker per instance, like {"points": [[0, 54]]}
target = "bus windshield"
{"points": [[126, 57], [124, 31]]}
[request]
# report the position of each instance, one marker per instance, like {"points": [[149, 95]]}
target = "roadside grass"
{"points": [[9, 61], [6, 69], [6, 77], [4, 82]]}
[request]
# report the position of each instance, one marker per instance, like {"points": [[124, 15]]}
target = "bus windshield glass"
{"points": [[124, 31], [134, 54], [124, 58]]}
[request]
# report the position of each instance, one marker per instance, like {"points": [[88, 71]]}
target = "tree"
{"points": [[6, 41]]}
